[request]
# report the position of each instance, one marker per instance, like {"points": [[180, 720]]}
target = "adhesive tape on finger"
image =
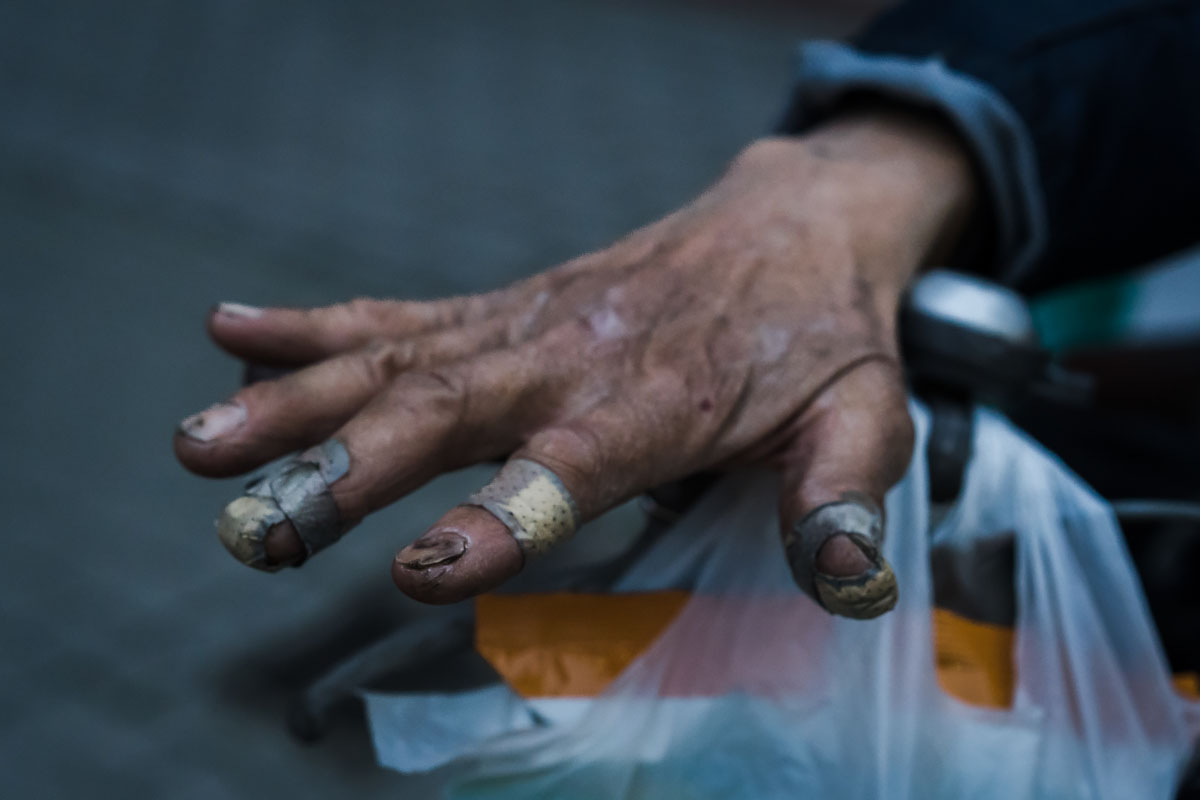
{"points": [[297, 489], [533, 504]]}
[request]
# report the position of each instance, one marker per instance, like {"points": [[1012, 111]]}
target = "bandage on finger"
{"points": [[864, 595], [297, 490], [422, 424], [562, 476], [533, 504]]}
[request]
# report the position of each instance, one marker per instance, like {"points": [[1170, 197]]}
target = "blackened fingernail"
{"points": [[433, 549], [214, 422]]}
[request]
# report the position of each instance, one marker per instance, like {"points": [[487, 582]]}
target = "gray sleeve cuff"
{"points": [[1002, 146]]}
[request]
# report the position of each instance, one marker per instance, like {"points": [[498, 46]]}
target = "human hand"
{"points": [[755, 325]]}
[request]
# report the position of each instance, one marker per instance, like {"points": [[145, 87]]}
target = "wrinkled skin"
{"points": [[754, 325]]}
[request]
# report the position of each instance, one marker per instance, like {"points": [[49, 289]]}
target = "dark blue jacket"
{"points": [[1108, 94]]}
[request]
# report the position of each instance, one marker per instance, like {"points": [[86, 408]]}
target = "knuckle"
{"points": [[573, 452], [673, 386], [445, 313], [349, 323], [527, 320], [383, 360], [564, 339], [603, 322], [444, 391], [365, 309], [679, 378], [471, 307]]}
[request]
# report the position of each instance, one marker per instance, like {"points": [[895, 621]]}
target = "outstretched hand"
{"points": [[754, 325]]}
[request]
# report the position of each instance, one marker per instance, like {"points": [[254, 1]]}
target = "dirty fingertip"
{"points": [[465, 553], [864, 596], [256, 533]]}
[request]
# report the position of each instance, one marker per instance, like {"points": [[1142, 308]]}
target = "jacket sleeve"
{"points": [[1083, 117]]}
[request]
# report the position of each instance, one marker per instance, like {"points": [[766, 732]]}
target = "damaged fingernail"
{"points": [[843, 557], [214, 422], [239, 310], [467, 552], [433, 549]]}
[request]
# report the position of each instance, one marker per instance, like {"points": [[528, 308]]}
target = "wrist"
{"points": [[900, 182]]}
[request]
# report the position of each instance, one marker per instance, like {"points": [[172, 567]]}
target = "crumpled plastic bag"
{"points": [[755, 692]]}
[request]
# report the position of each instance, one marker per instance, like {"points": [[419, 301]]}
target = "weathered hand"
{"points": [[755, 325]]}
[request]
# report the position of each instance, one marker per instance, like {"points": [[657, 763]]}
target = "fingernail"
{"points": [[844, 557], [239, 310], [214, 422], [465, 553], [433, 549]]}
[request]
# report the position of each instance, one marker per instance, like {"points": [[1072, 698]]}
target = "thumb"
{"points": [[854, 443]]}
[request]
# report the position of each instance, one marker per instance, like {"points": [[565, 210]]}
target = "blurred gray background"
{"points": [[156, 158]]}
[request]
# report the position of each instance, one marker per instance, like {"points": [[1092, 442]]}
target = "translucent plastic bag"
{"points": [[754, 692]]}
